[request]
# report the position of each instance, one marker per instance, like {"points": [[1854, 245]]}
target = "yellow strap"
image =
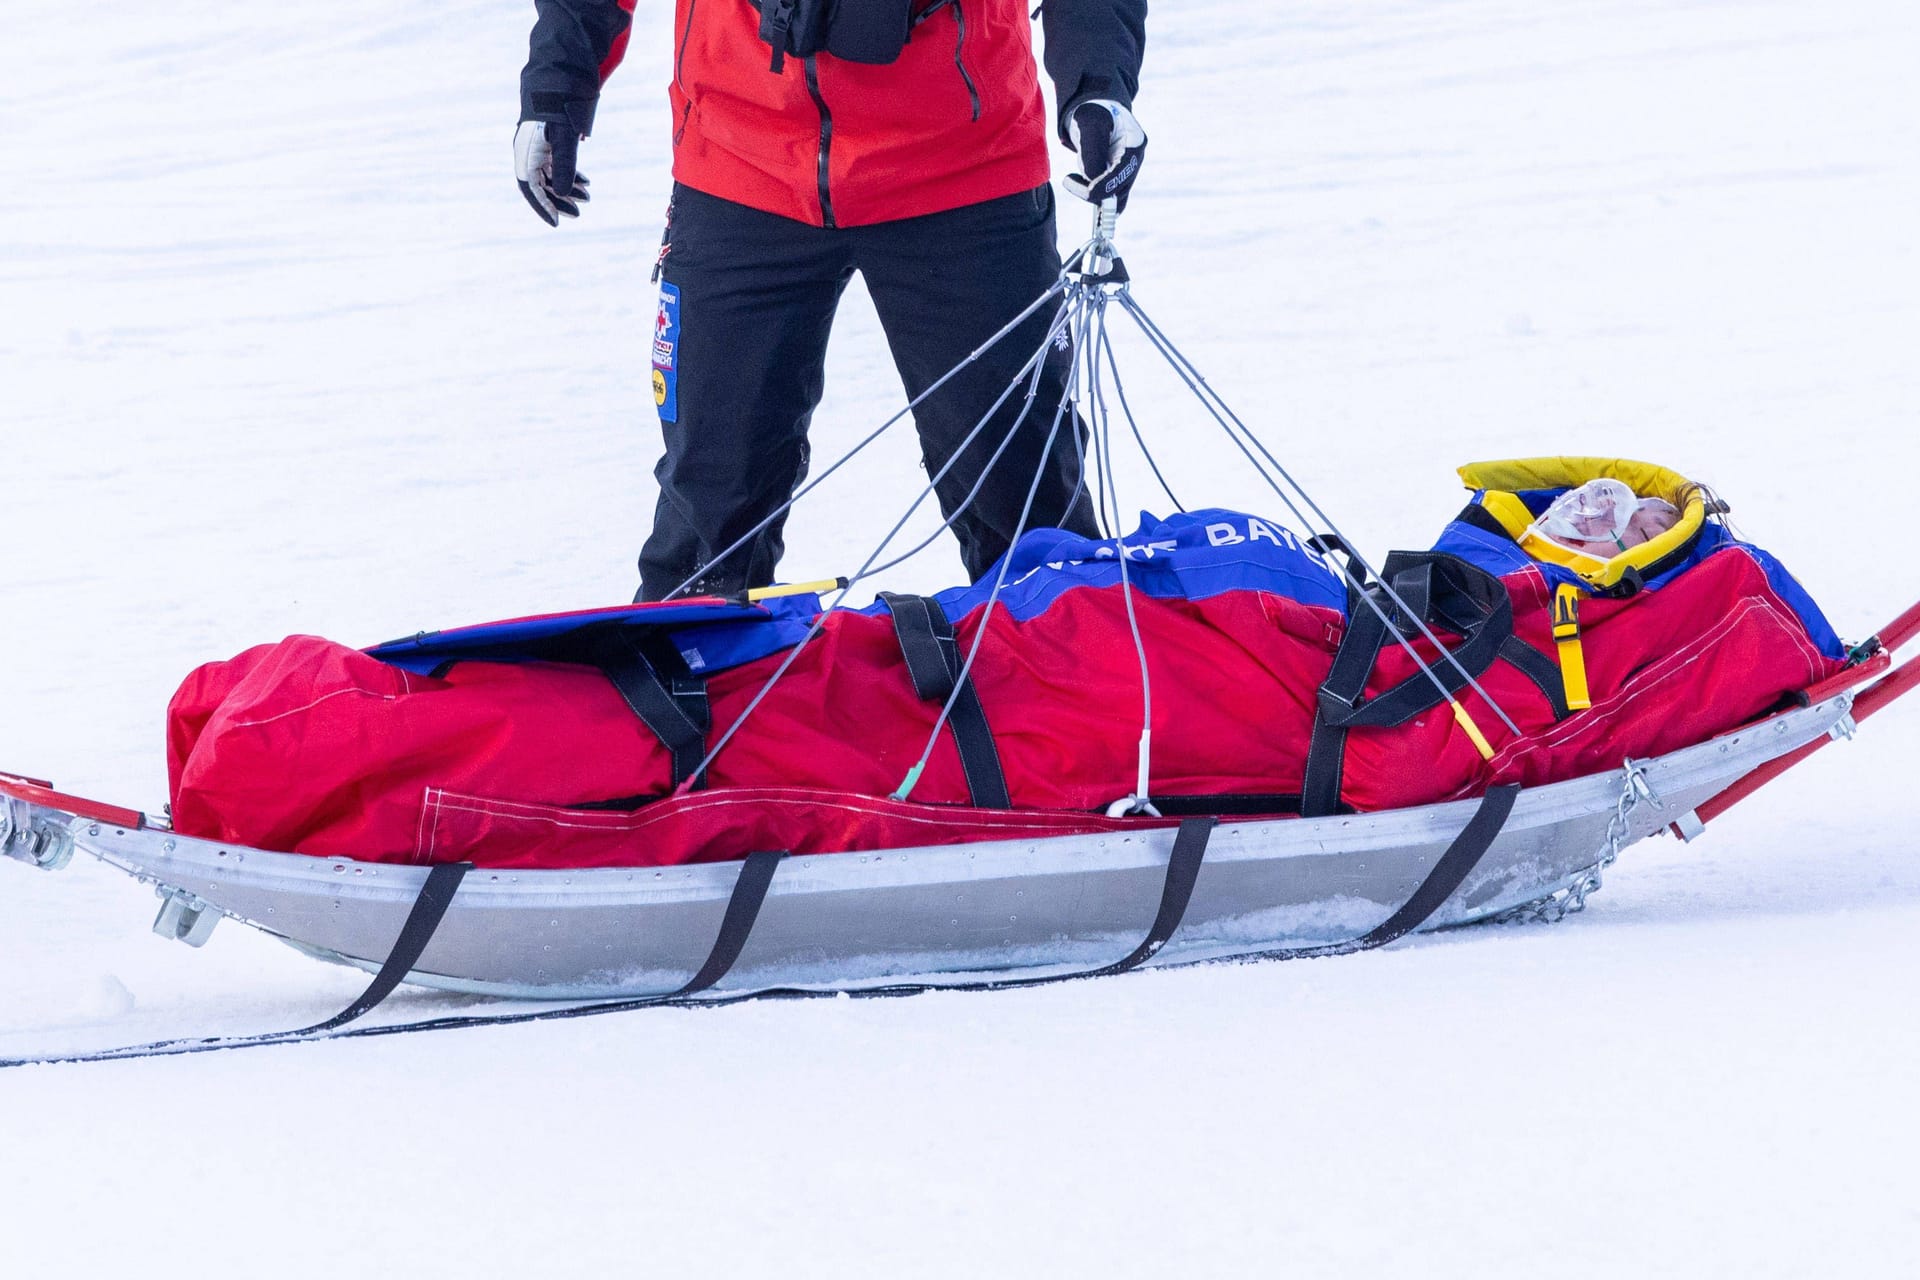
{"points": [[1473, 730], [1566, 635], [797, 588]]}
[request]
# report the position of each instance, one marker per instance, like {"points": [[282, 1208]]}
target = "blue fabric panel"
{"points": [[502, 641], [1190, 556], [728, 644], [1497, 554]]}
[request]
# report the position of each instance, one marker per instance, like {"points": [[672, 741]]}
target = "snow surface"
{"points": [[281, 350]]}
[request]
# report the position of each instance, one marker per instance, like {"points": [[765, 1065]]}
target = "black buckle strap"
{"points": [[932, 655], [662, 690], [1437, 589]]}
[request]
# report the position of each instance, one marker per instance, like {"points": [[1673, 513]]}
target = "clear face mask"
{"points": [[1598, 511]]}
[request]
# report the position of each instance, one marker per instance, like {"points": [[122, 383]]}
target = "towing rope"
{"points": [[1091, 278]]}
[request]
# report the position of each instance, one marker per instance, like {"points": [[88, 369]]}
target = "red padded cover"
{"points": [[313, 747]]}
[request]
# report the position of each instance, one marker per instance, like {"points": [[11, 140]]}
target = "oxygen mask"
{"points": [[1599, 511]]}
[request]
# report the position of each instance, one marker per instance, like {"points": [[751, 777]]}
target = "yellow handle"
{"points": [[798, 589], [1473, 730]]}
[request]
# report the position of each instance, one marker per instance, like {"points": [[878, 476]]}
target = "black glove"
{"points": [[545, 156], [1111, 145]]}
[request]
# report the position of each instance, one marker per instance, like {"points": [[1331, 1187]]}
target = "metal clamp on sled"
{"points": [[46, 843]]}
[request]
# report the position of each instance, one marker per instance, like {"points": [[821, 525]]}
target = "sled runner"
{"points": [[1468, 733]]}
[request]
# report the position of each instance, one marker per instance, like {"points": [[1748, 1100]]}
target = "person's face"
{"points": [[1649, 522]]}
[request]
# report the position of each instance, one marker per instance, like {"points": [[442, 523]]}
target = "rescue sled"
{"points": [[1016, 894], [995, 906]]}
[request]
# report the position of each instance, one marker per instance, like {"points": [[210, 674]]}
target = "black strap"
{"points": [[1477, 515], [1543, 671], [1228, 805], [1183, 870], [934, 663], [1324, 776], [1437, 589], [1447, 875], [1333, 544], [926, 642], [658, 686], [736, 926], [429, 909], [1441, 590]]}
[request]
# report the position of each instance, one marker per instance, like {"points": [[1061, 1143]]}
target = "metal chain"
{"points": [[1558, 905]]}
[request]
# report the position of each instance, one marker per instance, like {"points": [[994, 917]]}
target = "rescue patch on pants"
{"points": [[666, 344]]}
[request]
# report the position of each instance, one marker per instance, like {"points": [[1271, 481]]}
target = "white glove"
{"points": [[545, 163], [1111, 145]]}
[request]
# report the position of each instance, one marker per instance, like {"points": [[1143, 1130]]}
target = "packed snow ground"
{"points": [[281, 350]]}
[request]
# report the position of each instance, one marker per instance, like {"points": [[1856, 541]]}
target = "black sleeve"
{"points": [[1094, 49], [571, 40]]}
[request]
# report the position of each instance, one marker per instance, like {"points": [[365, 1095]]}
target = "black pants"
{"points": [[739, 361]]}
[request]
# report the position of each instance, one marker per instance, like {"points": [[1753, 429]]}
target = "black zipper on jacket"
{"points": [[826, 143], [679, 64], [960, 44]]}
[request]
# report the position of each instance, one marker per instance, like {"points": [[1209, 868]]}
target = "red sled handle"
{"points": [[35, 791], [1888, 683], [1900, 630]]}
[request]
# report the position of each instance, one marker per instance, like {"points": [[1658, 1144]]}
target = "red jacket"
{"points": [[956, 119]]}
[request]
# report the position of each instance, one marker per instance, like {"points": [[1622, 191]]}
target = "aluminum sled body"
{"points": [[852, 918]]}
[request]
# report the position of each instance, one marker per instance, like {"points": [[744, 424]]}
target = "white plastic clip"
{"points": [[1132, 807]]}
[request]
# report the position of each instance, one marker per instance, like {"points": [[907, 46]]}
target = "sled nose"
{"points": [[34, 836]]}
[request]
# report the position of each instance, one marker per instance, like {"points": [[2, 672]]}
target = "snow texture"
{"points": [[281, 350]]}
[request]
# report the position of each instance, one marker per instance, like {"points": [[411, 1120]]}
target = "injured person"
{"points": [[1597, 605]]}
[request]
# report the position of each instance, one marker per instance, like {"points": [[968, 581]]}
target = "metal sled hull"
{"points": [[847, 919]]}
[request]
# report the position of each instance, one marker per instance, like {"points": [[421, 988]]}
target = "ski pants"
{"points": [[739, 356]]}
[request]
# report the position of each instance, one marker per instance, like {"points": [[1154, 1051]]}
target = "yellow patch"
{"points": [[659, 387]]}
